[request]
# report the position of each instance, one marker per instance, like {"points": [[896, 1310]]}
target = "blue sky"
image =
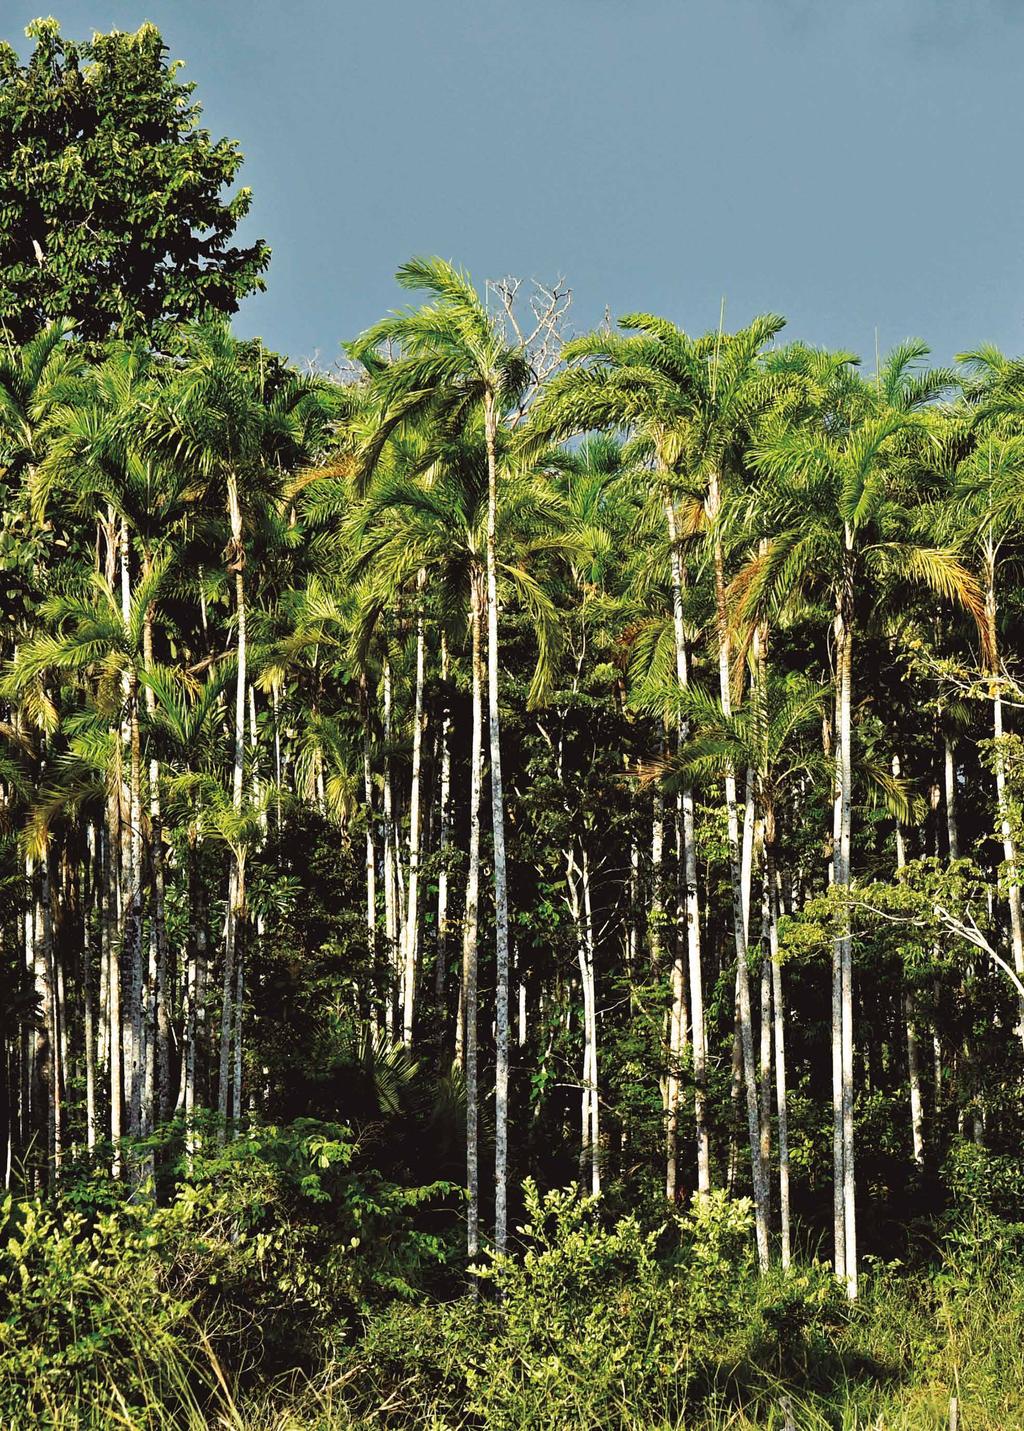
{"points": [[851, 164]]}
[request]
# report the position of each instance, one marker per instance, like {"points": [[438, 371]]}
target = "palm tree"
{"points": [[90, 634], [833, 520], [100, 458], [690, 404], [234, 435], [455, 365], [425, 522]]}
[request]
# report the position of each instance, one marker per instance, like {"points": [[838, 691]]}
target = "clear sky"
{"points": [[851, 164]]}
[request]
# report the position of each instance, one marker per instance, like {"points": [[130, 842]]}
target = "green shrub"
{"points": [[263, 1260], [594, 1326]]}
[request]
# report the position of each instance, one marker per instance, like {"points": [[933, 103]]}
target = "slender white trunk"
{"points": [[580, 906], [914, 1075], [595, 1087], [236, 883], [739, 922], [371, 861], [747, 858], [444, 836], [239, 1016], [913, 1048], [765, 1050], [949, 766], [112, 904], [95, 877], [413, 906], [227, 986], [781, 1107], [467, 1042], [692, 911], [842, 991], [498, 836], [390, 892], [656, 917]]}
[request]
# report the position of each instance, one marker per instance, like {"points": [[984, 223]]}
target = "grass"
{"points": [[910, 1345]]}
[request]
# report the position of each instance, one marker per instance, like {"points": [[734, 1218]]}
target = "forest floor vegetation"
{"points": [[287, 1288]]}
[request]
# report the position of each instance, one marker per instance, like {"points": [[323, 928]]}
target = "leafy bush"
{"points": [[595, 1326], [263, 1259]]}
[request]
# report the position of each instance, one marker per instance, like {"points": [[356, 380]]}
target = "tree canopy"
{"points": [[114, 204]]}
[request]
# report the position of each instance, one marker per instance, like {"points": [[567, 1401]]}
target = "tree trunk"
{"points": [[239, 1013], [137, 1012], [781, 1107], [949, 751], [111, 904], [842, 990], [468, 1028], [444, 836], [162, 991], [88, 999], [371, 858], [236, 881], [913, 1048], [765, 1051], [656, 916], [131, 865], [390, 892], [413, 907], [580, 907], [498, 836], [739, 922], [695, 979]]}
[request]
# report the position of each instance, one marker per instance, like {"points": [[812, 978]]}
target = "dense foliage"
{"points": [[110, 193], [508, 763]]}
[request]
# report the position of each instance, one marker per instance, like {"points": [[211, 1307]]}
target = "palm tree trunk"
{"points": [[913, 1047], [498, 837], [655, 918], [781, 1107], [739, 921], [765, 1051], [390, 892], [236, 1090], [595, 1087], [46, 1084], [162, 990], [232, 941], [135, 914], [697, 1033], [187, 1092], [444, 836], [747, 858], [949, 752], [842, 987], [412, 909], [112, 950], [914, 1077], [131, 846], [371, 856], [236, 889], [468, 1026], [88, 1000], [580, 907]]}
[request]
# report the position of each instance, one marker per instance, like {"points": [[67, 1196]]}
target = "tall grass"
{"points": [[911, 1344]]}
